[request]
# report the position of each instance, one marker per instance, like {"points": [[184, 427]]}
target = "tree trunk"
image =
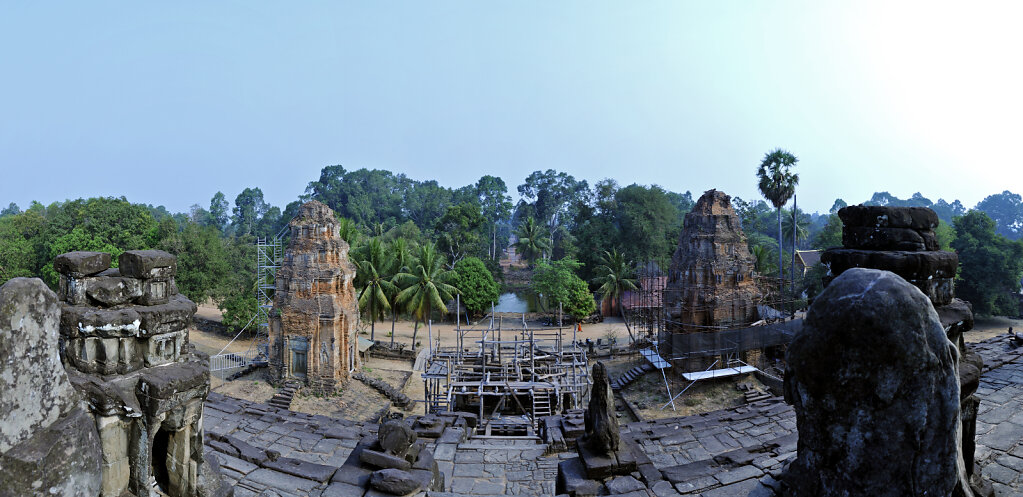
{"points": [[781, 260], [493, 254], [621, 309], [372, 318], [394, 317], [792, 268], [415, 330]]}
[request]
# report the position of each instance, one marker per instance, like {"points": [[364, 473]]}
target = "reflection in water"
{"points": [[516, 302]]}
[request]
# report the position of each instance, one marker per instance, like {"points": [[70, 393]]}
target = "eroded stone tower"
{"points": [[315, 315], [710, 285]]}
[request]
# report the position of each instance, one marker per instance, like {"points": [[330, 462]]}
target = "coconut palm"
{"points": [[802, 226], [374, 269], [614, 275], [401, 258], [777, 183], [426, 286], [532, 240], [762, 260]]}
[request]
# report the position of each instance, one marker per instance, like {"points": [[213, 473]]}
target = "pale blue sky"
{"points": [[167, 103]]}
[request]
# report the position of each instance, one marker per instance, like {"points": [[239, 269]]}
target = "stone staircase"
{"points": [[631, 375], [282, 399], [751, 393]]}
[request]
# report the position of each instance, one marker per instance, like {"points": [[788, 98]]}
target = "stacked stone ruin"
{"points": [[315, 314], [123, 345], [710, 285], [875, 326]]}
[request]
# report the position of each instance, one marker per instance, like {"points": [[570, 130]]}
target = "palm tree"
{"points": [[802, 226], [762, 260], [426, 286], [401, 258], [777, 183], [374, 269], [614, 277], [348, 231], [532, 241]]}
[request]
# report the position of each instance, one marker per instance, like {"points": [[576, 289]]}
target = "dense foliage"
{"points": [[556, 283], [476, 285], [990, 265]]}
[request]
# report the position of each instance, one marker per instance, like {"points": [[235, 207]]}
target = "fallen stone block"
{"points": [[394, 481], [384, 461], [301, 469]]}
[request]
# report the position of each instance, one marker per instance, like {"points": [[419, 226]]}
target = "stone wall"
{"points": [[315, 316]]}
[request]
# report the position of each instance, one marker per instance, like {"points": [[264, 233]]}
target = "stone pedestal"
{"points": [[124, 342]]}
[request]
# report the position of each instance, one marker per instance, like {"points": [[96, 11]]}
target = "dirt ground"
{"points": [[985, 327], [648, 393]]}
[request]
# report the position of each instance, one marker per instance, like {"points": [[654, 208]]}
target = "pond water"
{"points": [[516, 302]]}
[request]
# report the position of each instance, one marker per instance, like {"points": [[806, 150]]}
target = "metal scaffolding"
{"points": [[268, 260], [519, 371]]}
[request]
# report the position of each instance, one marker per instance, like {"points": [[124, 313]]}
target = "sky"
{"points": [[167, 103]]}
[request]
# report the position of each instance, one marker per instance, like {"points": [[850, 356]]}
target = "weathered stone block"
{"points": [[175, 315], [34, 388], [916, 218], [81, 264], [383, 460], [156, 291], [874, 238], [394, 481], [83, 320], [164, 348], [872, 372], [395, 437], [908, 265], [63, 458], [146, 264], [114, 291]]}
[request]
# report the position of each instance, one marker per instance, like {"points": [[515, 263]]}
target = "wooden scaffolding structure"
{"points": [[494, 371]]}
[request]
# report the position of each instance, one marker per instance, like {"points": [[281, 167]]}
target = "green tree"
{"points": [[614, 277], [945, 235], [777, 183], [249, 207], [10, 210], [557, 282], [219, 215], [763, 256], [458, 232], [495, 204], [801, 222], [476, 285], [1006, 210], [202, 260], [648, 221], [532, 242], [20, 244], [990, 265], [400, 253], [427, 287], [831, 235], [375, 273]]}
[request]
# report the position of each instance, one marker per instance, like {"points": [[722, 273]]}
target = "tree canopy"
{"points": [[990, 265]]}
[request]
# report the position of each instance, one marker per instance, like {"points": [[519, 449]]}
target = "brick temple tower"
{"points": [[315, 315], [710, 286]]}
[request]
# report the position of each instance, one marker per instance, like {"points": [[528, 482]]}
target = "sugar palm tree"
{"points": [[375, 271], [532, 240], [426, 286], [614, 275], [401, 258], [777, 183]]}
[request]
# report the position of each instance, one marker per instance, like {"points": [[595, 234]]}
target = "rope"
{"points": [[236, 336]]}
